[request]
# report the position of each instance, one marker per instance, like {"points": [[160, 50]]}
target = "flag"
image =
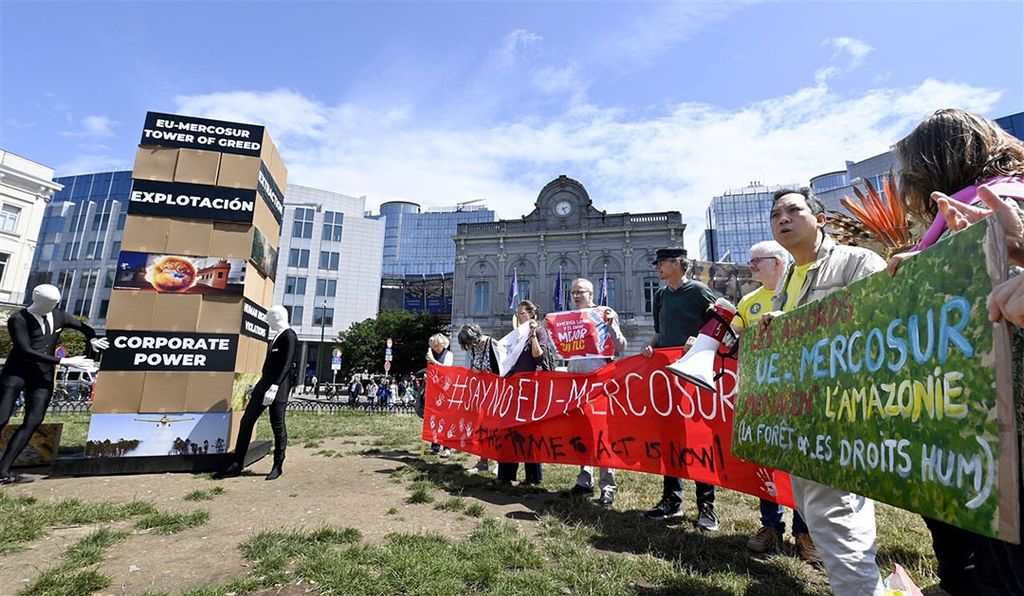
{"points": [[557, 296], [602, 294], [513, 291]]}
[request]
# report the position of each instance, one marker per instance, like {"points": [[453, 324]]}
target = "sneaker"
{"points": [[482, 465], [15, 479], [580, 491], [766, 540], [664, 510], [607, 498], [806, 549], [707, 520], [446, 452]]}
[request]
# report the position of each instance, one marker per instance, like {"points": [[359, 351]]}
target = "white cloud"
{"points": [[90, 163], [515, 47], [856, 48], [92, 126], [658, 30], [675, 159]]}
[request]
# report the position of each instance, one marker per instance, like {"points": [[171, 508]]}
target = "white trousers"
{"points": [[842, 526], [607, 482]]}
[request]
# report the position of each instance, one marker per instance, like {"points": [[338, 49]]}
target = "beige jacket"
{"points": [[837, 266]]}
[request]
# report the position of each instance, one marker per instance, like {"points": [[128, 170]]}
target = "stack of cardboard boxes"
{"points": [[204, 191]]}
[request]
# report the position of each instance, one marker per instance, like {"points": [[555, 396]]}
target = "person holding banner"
{"points": [[439, 355], [480, 355], [680, 310], [530, 359], [768, 262], [841, 523], [583, 297], [957, 168]]}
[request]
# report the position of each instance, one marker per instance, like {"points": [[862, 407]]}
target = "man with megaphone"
{"points": [[681, 309]]}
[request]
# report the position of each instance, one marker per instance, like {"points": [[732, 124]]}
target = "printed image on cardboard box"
{"points": [[178, 433], [241, 389], [179, 274], [42, 445], [264, 255]]}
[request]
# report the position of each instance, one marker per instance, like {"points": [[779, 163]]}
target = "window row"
{"points": [[321, 316], [481, 304]]}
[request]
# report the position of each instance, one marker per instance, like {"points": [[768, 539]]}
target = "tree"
{"points": [[363, 343]]}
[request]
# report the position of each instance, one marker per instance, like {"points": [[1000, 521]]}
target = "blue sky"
{"points": [[650, 105]]}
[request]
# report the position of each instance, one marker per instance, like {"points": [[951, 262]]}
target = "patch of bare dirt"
{"points": [[315, 491]]}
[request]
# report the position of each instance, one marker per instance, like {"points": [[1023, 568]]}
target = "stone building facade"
{"points": [[566, 232]]}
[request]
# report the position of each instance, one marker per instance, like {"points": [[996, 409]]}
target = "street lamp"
{"points": [[320, 351]]}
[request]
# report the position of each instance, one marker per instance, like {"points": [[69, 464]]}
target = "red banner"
{"points": [[629, 415], [581, 333]]}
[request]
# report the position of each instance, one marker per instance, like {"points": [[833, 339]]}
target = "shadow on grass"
{"points": [[695, 555]]}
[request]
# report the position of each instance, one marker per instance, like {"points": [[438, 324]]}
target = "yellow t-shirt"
{"points": [[751, 307], [796, 281]]}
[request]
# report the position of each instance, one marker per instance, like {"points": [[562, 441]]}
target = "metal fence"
{"points": [[69, 404]]}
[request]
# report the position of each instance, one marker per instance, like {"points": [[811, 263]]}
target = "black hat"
{"points": [[668, 253]]}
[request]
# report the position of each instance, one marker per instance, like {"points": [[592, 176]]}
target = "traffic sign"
{"points": [[387, 352], [387, 358], [336, 353], [60, 352], [390, 343], [387, 366], [335, 363]]}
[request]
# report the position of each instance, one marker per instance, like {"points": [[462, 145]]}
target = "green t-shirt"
{"points": [[679, 314]]}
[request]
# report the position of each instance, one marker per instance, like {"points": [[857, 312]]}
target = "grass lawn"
{"points": [[563, 547]]}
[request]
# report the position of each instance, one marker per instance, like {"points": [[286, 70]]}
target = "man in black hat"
{"points": [[680, 310]]}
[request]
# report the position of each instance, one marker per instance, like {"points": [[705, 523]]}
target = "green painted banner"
{"points": [[895, 388]]}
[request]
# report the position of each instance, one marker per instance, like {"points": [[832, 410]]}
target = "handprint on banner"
{"points": [[769, 485], [433, 421], [434, 377], [468, 432]]}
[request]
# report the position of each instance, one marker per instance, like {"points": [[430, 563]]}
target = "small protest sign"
{"points": [[581, 333]]}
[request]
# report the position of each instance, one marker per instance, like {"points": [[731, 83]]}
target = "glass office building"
{"points": [[419, 254], [736, 220], [80, 239], [419, 241]]}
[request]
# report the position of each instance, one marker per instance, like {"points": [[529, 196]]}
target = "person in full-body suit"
{"points": [[271, 390]]}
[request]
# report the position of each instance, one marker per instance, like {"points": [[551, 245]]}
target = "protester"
{"points": [[354, 389], [480, 356], [680, 310], [583, 297], [438, 354], [841, 523], [530, 359], [768, 261], [371, 391], [952, 161]]}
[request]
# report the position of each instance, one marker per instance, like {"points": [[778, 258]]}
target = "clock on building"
{"points": [[563, 208]]}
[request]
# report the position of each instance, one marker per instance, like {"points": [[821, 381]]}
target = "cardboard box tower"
{"points": [[195, 277]]}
